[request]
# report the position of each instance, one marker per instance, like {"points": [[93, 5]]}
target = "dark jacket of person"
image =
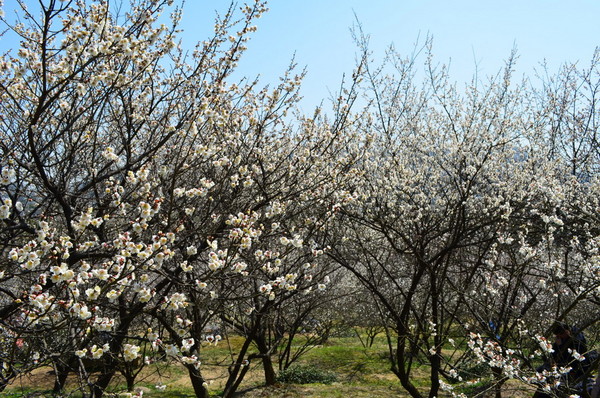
{"points": [[569, 343]]}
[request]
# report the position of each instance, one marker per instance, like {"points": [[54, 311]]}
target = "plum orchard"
{"points": [[145, 195]]}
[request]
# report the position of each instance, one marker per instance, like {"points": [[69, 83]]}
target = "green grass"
{"points": [[355, 371], [20, 393], [349, 366], [306, 374]]}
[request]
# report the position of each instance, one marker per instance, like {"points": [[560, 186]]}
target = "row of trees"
{"points": [[147, 196], [478, 217]]}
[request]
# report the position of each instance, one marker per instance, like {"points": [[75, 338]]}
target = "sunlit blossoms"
{"points": [[130, 352], [153, 204]]}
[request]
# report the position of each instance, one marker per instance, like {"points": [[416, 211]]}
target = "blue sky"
{"points": [[468, 33]]}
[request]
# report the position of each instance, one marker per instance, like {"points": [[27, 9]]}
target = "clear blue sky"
{"points": [[467, 32]]}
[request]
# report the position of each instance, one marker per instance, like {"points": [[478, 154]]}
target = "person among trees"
{"points": [[568, 352]]}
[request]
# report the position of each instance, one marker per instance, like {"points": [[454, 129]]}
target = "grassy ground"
{"points": [[358, 372]]}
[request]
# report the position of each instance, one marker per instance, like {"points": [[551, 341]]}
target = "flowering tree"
{"points": [[543, 269], [462, 222], [144, 194]]}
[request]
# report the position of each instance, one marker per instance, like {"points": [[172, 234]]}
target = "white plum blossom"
{"points": [[186, 344], [171, 350], [191, 250], [7, 175], [130, 352], [81, 353], [5, 209], [104, 324]]}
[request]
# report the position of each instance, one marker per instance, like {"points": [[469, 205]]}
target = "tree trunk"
{"points": [[263, 349], [270, 375], [116, 344], [498, 382], [197, 382], [236, 370], [102, 382], [130, 382], [62, 371], [398, 359], [435, 360]]}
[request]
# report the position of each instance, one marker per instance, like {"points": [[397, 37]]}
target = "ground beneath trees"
{"points": [[360, 373], [178, 387]]}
